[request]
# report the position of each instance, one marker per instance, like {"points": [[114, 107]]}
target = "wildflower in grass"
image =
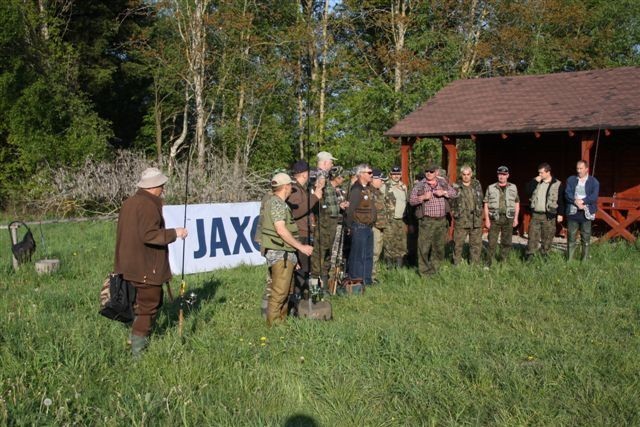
{"points": [[301, 359], [263, 339], [47, 402]]}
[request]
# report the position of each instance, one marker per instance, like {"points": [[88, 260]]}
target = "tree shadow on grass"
{"points": [[191, 303]]}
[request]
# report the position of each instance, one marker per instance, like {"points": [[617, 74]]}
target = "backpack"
{"points": [[117, 297]]}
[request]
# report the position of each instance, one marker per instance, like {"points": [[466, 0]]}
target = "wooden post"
{"points": [[14, 240], [588, 139], [450, 153], [406, 145]]}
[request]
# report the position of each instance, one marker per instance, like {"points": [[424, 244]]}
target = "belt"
{"points": [[433, 217]]}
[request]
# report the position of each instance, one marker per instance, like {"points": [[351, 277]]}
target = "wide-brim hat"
{"points": [[151, 178]]}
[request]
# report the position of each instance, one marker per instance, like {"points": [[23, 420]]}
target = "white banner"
{"points": [[220, 235]]}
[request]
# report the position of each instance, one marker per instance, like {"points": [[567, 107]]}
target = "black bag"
{"points": [[116, 299], [24, 249]]}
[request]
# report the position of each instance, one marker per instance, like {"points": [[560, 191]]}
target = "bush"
{"points": [[99, 187]]}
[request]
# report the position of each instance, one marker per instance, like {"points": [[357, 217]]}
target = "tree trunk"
{"points": [[472, 39], [399, 10], [323, 77], [177, 144], [157, 114], [193, 31]]}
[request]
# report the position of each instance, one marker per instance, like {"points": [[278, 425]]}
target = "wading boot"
{"points": [[571, 250], [138, 345], [585, 252]]}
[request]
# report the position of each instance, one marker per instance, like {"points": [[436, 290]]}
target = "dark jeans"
{"points": [[361, 255]]}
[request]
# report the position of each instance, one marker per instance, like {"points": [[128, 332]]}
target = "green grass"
{"points": [[546, 343]]}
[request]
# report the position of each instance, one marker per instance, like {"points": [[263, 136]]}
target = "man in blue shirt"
{"points": [[581, 196]]}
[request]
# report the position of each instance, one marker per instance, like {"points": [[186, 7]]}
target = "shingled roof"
{"points": [[584, 100]]}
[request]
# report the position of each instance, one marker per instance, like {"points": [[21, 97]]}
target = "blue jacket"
{"points": [[592, 188]]}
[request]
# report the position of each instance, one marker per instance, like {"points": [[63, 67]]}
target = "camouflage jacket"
{"points": [[385, 202], [467, 211]]}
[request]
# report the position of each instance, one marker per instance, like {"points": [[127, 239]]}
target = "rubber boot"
{"points": [[585, 252], [571, 250], [138, 345]]}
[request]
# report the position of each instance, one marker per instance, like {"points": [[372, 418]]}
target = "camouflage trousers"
{"points": [[475, 243], [503, 228], [395, 240], [323, 237], [432, 239], [378, 245], [541, 232]]}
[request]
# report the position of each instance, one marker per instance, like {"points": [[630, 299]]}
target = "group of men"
{"points": [[327, 216], [376, 213], [303, 222]]}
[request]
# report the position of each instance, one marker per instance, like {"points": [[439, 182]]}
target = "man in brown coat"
{"points": [[142, 255], [302, 203]]}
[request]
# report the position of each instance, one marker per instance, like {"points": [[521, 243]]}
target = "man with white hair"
{"points": [[327, 218], [361, 216], [142, 254]]}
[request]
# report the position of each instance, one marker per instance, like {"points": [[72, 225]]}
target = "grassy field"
{"points": [[545, 343]]}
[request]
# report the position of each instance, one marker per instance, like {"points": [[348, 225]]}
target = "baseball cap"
{"points": [[280, 179], [377, 173], [300, 166], [503, 169], [325, 155]]}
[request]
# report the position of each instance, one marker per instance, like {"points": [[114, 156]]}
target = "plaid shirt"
{"points": [[329, 204], [435, 206]]}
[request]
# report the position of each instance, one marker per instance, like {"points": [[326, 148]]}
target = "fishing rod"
{"points": [[183, 284]]}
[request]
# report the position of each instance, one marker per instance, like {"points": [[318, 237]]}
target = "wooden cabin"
{"points": [[523, 121]]}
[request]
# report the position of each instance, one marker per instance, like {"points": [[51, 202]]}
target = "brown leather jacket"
{"points": [[301, 207], [142, 254]]}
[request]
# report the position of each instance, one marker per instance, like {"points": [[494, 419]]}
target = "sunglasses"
{"points": [[368, 172], [431, 171]]}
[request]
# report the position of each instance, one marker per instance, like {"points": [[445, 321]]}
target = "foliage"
{"points": [[546, 343], [83, 79]]}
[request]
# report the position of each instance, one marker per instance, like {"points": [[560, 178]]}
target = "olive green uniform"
{"points": [[501, 201], [466, 210], [395, 235]]}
